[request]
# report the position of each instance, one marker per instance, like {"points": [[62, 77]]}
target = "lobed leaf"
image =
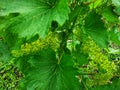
{"points": [[35, 15], [46, 74], [96, 29]]}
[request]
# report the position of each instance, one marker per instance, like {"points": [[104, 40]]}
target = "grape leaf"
{"points": [[46, 74], [96, 29], [35, 15]]}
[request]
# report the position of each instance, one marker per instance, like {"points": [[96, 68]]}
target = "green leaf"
{"points": [[116, 2], [117, 10], [80, 58], [35, 15], [5, 21], [114, 35], [46, 74], [95, 28], [96, 3], [109, 15], [4, 52]]}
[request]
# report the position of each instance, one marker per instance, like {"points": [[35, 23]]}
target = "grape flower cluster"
{"points": [[51, 41], [9, 76], [99, 64]]}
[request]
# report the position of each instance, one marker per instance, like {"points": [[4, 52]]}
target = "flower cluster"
{"points": [[99, 62], [9, 76], [50, 41]]}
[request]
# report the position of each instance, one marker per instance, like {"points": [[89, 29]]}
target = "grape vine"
{"points": [[59, 44]]}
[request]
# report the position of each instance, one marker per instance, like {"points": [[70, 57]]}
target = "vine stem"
{"points": [[82, 82], [66, 33], [59, 59]]}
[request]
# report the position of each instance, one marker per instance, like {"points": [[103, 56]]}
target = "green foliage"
{"points": [[9, 76], [59, 44], [35, 16], [4, 52], [100, 63], [51, 40], [109, 15], [116, 3], [46, 74], [113, 86], [114, 35], [96, 29]]}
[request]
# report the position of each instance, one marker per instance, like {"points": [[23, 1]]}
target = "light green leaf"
{"points": [[95, 28], [46, 74], [114, 35], [109, 15], [96, 4], [116, 2], [35, 15]]}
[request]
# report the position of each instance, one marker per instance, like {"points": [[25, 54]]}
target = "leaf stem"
{"points": [[65, 34]]}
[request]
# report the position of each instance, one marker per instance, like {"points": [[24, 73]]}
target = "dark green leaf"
{"points": [[46, 74], [80, 57], [96, 29]]}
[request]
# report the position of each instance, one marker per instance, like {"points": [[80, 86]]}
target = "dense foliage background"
{"points": [[59, 44]]}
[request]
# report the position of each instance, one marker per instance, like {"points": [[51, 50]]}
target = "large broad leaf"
{"points": [[35, 15], [46, 74], [95, 28]]}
